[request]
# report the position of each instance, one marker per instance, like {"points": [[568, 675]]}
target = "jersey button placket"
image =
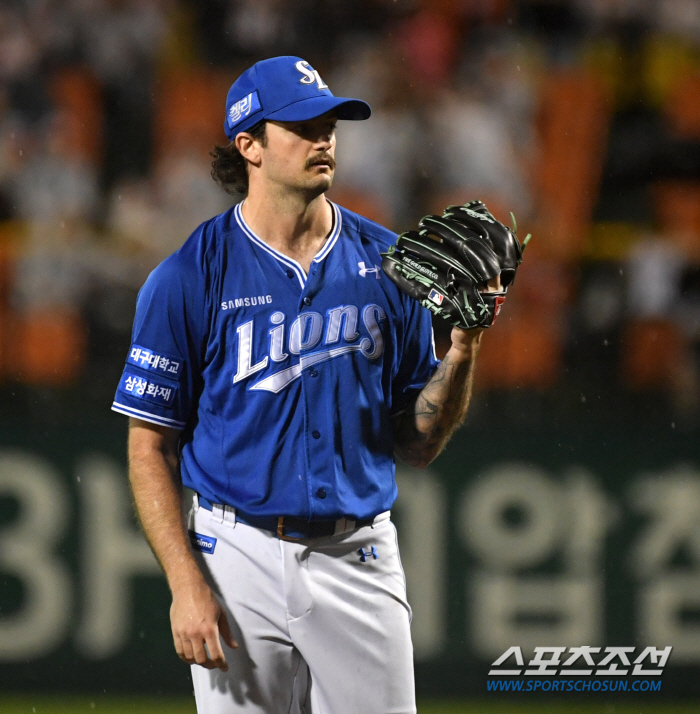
{"points": [[317, 444], [317, 459]]}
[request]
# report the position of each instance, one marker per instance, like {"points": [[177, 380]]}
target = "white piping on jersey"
{"points": [[432, 340], [275, 383], [147, 416], [335, 232], [284, 259]]}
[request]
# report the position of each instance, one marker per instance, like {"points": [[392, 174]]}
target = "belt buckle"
{"points": [[280, 532]]}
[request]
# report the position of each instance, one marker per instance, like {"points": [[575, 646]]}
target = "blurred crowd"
{"points": [[582, 117]]}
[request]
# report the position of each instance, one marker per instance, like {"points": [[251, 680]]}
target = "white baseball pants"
{"points": [[323, 626]]}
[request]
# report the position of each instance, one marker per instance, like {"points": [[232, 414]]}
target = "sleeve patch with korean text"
{"points": [[148, 388], [155, 362]]}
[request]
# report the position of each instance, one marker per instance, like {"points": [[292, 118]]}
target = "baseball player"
{"points": [[276, 370]]}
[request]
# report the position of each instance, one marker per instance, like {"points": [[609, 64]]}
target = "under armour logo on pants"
{"points": [[364, 556]]}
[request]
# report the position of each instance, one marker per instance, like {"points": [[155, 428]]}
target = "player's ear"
{"points": [[249, 148]]}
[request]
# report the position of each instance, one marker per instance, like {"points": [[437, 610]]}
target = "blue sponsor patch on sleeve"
{"points": [[148, 388], [202, 543], [156, 362]]}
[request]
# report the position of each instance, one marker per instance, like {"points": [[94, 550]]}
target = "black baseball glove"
{"points": [[448, 262]]}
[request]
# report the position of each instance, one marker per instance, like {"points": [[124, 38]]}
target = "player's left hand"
{"points": [[466, 342], [448, 264]]}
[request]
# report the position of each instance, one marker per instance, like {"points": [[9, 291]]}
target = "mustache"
{"points": [[321, 159]]}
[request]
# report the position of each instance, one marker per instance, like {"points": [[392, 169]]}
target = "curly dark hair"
{"points": [[229, 168]]}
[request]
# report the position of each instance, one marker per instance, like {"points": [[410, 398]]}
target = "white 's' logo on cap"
{"points": [[310, 75]]}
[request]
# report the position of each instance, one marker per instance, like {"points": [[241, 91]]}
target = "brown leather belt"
{"points": [[291, 528]]}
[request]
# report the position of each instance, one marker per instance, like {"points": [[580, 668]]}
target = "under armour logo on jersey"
{"points": [[364, 270], [310, 75], [366, 554]]}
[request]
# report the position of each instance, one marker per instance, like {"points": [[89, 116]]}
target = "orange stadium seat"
{"points": [[10, 236], [677, 206], [542, 287], [48, 348], [683, 107], [524, 352], [5, 316], [365, 204], [653, 351], [190, 111], [573, 125], [5, 276], [77, 96]]}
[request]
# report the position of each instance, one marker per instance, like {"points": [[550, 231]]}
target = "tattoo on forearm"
{"points": [[428, 408], [422, 431]]}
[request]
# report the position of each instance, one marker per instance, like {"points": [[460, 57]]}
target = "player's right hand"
{"points": [[197, 620]]}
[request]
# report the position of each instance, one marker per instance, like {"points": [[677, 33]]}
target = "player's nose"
{"points": [[323, 142], [324, 139]]}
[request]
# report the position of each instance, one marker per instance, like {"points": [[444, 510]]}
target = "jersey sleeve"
{"points": [[160, 380], [418, 360]]}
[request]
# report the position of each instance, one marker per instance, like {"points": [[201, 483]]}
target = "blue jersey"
{"points": [[283, 383]]}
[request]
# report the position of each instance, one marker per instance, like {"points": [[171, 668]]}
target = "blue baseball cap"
{"points": [[284, 89]]}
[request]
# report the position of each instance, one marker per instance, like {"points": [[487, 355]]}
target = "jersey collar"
{"points": [[284, 259]]}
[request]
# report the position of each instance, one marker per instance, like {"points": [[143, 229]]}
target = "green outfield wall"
{"points": [[559, 537]]}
